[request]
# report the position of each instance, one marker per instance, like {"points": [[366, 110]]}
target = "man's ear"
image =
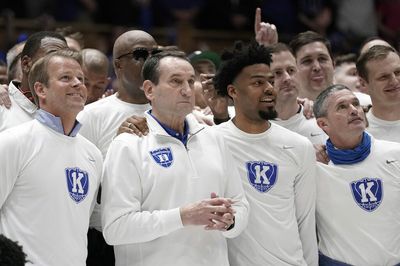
{"points": [[148, 88], [26, 64], [363, 83], [232, 92], [322, 122], [40, 91]]}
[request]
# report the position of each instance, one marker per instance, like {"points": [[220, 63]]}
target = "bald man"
{"points": [[101, 119], [95, 67]]}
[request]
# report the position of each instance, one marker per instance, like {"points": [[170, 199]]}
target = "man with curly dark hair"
{"points": [[11, 254], [277, 166]]}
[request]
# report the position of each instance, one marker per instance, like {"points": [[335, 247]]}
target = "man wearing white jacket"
{"points": [[171, 197]]}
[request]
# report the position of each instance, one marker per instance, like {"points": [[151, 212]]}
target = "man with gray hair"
{"points": [[171, 197], [352, 213]]}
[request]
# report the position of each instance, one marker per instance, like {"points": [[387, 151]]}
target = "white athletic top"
{"points": [[303, 126], [358, 214], [147, 180], [101, 119], [48, 188], [382, 129], [277, 168], [22, 109]]}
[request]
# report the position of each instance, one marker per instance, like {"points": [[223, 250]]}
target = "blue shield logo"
{"points": [[262, 175], [163, 157], [77, 183], [367, 193]]}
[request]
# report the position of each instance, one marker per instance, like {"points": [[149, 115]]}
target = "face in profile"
{"points": [[253, 95]]}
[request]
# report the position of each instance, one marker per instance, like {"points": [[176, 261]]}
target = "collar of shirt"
{"points": [[54, 122], [173, 133]]}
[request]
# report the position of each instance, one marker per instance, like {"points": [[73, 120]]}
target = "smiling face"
{"points": [[384, 80], [254, 97], [284, 69], [315, 69], [344, 119], [65, 93]]}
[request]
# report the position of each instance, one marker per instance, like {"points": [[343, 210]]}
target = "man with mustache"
{"points": [[358, 218]]}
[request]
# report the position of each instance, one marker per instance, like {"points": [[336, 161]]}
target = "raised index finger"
{"points": [[257, 20]]}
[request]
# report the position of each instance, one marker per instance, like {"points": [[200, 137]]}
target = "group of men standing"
{"points": [[246, 192]]}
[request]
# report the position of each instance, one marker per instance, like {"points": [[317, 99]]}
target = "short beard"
{"points": [[270, 114]]}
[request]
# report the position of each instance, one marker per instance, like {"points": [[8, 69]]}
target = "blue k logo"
{"points": [[77, 183], [262, 175], [367, 193], [163, 157]]}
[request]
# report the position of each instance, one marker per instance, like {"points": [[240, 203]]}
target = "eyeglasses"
{"points": [[140, 53]]}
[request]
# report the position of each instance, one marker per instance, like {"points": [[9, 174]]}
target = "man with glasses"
{"points": [[102, 118]]}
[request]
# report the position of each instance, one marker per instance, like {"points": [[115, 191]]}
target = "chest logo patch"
{"points": [[367, 192], [77, 183], [262, 175], [163, 157]]}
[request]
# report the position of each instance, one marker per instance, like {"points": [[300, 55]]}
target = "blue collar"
{"points": [[355, 155], [54, 122], [181, 137]]}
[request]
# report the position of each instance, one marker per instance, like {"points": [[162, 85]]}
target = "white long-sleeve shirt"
{"points": [[147, 180], [277, 168], [358, 214], [101, 119], [48, 186], [303, 126], [22, 109]]}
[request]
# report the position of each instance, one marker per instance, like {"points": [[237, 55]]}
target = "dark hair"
{"points": [[11, 254], [234, 60], [346, 58], [320, 108], [33, 43], [376, 52], [308, 37], [151, 71]]}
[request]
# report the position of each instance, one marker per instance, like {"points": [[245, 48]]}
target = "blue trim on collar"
{"points": [[181, 137], [54, 122]]}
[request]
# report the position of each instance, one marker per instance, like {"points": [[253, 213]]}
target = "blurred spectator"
{"points": [[283, 14], [316, 15], [388, 20], [356, 19], [346, 74], [74, 38], [227, 14]]}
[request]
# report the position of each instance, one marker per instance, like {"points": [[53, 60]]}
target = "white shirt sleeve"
{"points": [[122, 218], [10, 164], [305, 196]]}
